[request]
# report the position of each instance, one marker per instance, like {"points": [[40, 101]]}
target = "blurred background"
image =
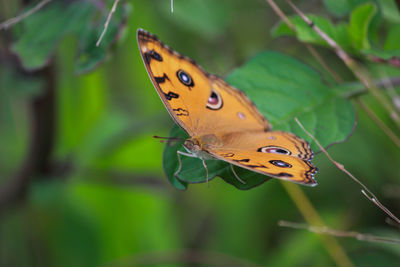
{"points": [[81, 178]]}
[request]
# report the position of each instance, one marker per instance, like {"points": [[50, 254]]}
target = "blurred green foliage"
{"points": [[101, 196]]}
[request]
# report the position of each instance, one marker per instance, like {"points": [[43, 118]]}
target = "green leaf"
{"points": [[359, 25], [391, 46], [282, 88], [341, 8], [338, 7], [389, 10], [381, 54], [191, 14], [42, 31], [393, 38], [305, 33], [89, 55]]}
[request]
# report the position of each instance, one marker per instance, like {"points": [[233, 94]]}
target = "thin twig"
{"points": [[382, 84], [311, 49], [366, 192], [172, 6], [339, 233], [358, 71], [10, 22], [389, 86], [338, 79], [110, 14], [379, 122]]}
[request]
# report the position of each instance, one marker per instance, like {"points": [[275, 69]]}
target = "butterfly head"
{"points": [[192, 145], [195, 147]]}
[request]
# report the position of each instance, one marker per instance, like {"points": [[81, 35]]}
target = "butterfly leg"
{"points": [[237, 176], [179, 153], [205, 166]]}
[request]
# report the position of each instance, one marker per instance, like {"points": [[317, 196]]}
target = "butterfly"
{"points": [[222, 123]]}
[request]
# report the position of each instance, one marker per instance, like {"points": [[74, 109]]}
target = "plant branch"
{"points": [[394, 81], [10, 22], [384, 83], [310, 48], [110, 14], [365, 191], [339, 233], [357, 69], [394, 61], [37, 161]]}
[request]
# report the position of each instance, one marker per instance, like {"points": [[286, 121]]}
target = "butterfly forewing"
{"points": [[183, 87]]}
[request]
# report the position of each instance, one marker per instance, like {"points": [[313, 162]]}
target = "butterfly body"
{"points": [[221, 121], [198, 149]]}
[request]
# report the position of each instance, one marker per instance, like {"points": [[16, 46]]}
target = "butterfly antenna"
{"points": [[168, 139], [237, 176], [205, 166]]}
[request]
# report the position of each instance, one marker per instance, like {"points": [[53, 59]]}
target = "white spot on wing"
{"points": [[241, 115]]}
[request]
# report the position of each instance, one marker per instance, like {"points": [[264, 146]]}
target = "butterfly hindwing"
{"points": [[274, 153]]}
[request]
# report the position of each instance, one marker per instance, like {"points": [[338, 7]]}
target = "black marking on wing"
{"points": [[284, 174], [152, 55], [256, 166], [181, 112], [309, 154], [312, 171], [241, 160], [161, 79], [306, 146], [227, 155], [170, 95]]}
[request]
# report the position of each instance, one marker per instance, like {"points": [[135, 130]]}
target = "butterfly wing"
{"points": [[278, 154], [180, 83], [198, 101]]}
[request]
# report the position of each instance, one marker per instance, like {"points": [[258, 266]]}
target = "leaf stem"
{"points": [[110, 14], [394, 81], [310, 48], [10, 22], [365, 191], [360, 72], [339, 233]]}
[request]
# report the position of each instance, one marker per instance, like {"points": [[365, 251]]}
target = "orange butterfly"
{"points": [[221, 121]]}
